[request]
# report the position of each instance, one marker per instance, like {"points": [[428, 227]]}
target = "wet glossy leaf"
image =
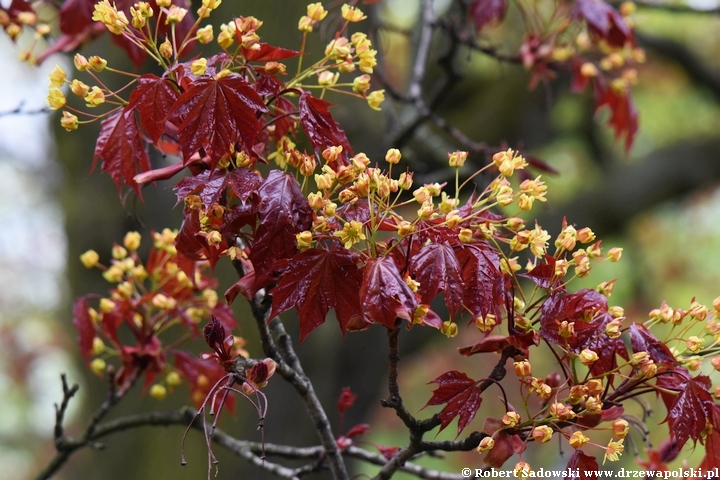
{"points": [[313, 282], [321, 128], [216, 114], [692, 407], [461, 395], [642, 340], [483, 282], [121, 149], [153, 98], [384, 294], [438, 270], [284, 212]]}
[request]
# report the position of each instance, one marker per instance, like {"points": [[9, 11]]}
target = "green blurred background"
{"points": [[661, 202]]}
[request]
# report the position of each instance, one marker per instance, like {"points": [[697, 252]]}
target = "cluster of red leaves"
{"points": [[690, 405]]}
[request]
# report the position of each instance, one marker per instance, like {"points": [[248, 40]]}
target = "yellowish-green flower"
{"points": [[351, 233]]}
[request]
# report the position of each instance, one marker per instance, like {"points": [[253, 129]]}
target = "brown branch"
{"points": [[250, 451], [66, 446], [277, 345]]}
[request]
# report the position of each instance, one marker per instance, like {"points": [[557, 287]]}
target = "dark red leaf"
{"points": [[346, 400], [582, 308], [121, 149], [692, 407], [358, 211], [214, 333], [316, 280], [462, 396], [215, 114], [384, 294], [604, 21], [543, 273], [505, 446], [496, 343], [607, 348], [284, 212], [321, 129], [268, 53], [673, 380], [153, 98], [387, 452], [642, 340], [84, 324], [358, 429], [712, 451], [210, 185], [584, 465], [281, 108], [623, 114], [191, 244], [437, 269], [484, 288], [76, 16], [484, 12]]}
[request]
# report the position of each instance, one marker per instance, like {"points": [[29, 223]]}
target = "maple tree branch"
{"points": [[423, 50], [250, 451], [277, 345], [66, 446]]}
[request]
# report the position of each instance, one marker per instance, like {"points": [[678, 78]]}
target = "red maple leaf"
{"points": [[316, 280], [543, 273], [485, 12], [462, 396], [437, 269], [84, 324], [642, 340], [384, 293], [387, 452], [267, 53], [623, 114], [321, 129], [284, 211], [211, 185], [584, 465], [121, 149], [482, 279], [712, 450], [576, 307], [690, 411], [153, 98], [604, 21], [216, 114], [346, 400], [191, 244]]}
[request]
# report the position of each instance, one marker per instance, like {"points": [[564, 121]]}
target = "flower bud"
{"points": [[620, 428], [578, 439], [393, 156], [542, 434], [158, 392], [522, 369], [457, 158], [510, 419], [98, 366], [588, 357], [486, 444], [449, 329], [375, 99]]}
